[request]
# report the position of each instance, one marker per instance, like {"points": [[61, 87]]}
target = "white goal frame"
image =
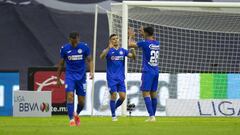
{"points": [[125, 6]]}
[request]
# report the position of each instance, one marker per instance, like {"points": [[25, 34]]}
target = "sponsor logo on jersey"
{"points": [[75, 57], [153, 47], [117, 58]]}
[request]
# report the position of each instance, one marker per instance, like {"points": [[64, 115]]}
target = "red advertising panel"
{"points": [[45, 79]]}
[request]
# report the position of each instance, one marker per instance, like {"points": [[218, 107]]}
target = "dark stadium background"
{"points": [[32, 33]]}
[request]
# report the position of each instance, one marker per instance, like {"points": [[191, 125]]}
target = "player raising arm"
{"points": [[150, 71], [75, 53], [115, 56]]}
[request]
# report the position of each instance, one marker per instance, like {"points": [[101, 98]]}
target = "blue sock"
{"points": [[119, 102], [148, 103], [154, 105], [70, 108], [112, 106], [79, 108]]}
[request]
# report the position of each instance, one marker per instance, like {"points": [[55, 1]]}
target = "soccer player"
{"points": [[75, 53], [150, 71], [115, 56]]}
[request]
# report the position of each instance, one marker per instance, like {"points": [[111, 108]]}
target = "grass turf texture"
{"points": [[58, 125]]}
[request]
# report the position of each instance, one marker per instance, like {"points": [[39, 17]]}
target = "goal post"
{"points": [[199, 51], [104, 95]]}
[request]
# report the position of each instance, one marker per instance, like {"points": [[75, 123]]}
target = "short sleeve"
{"points": [[126, 52], [62, 52], [87, 52], [141, 43]]}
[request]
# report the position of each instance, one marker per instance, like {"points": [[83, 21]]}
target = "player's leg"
{"points": [[80, 106], [121, 88], [70, 100], [81, 93], [153, 93], [113, 92], [145, 87], [122, 96], [112, 103], [148, 102], [81, 103], [70, 107]]}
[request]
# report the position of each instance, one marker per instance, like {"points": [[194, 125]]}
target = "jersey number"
{"points": [[154, 57]]}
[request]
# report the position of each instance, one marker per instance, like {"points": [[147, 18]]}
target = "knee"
{"points": [[146, 94], [153, 94], [113, 96]]}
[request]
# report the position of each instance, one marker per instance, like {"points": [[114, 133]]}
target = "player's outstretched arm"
{"points": [[131, 38], [105, 51], [59, 71], [90, 66], [132, 53]]}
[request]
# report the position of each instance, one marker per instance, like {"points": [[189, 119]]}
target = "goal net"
{"points": [[199, 51]]}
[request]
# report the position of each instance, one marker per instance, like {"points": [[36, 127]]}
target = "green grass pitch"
{"points": [[58, 125]]}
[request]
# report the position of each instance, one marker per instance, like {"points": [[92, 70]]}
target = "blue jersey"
{"points": [[150, 55], [116, 64], [75, 60]]}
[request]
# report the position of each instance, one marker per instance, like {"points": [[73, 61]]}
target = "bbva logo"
{"points": [[27, 107]]}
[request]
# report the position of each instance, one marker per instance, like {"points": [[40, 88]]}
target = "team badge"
{"points": [[121, 52], [80, 51]]}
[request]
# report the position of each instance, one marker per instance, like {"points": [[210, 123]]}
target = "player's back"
{"points": [[150, 56], [75, 58]]}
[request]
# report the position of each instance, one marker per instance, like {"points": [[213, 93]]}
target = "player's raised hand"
{"points": [[141, 31], [131, 32], [110, 45]]}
